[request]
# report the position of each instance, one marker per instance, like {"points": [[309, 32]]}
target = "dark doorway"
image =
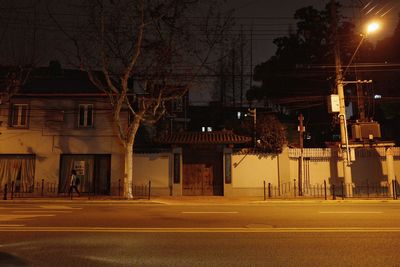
{"points": [[93, 170], [202, 172]]}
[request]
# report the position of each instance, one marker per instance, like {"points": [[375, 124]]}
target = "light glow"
{"points": [[373, 27]]}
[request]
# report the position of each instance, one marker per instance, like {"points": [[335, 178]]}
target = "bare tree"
{"points": [[161, 46]]}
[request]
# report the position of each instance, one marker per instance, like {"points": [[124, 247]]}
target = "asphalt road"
{"points": [[267, 234]]}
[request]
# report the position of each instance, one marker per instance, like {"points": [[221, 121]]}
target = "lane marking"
{"points": [[39, 208], [41, 211], [351, 212], [201, 230], [12, 225], [58, 207], [11, 217], [210, 212]]}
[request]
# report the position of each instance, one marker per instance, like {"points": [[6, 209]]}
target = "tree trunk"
{"points": [[128, 172]]}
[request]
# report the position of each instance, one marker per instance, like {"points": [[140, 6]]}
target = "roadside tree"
{"points": [[142, 54]]}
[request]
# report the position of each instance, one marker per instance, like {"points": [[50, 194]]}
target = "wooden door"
{"points": [[202, 173]]}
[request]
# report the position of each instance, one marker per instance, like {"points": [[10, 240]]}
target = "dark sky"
{"points": [[273, 18], [267, 19]]}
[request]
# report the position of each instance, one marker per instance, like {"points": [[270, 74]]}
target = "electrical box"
{"points": [[333, 104], [365, 131]]}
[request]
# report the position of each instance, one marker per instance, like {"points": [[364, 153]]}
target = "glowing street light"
{"points": [[373, 27], [370, 28]]}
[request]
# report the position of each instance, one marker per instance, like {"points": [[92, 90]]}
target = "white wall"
{"points": [[252, 170], [152, 167]]}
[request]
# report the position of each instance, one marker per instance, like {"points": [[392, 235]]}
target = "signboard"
{"points": [[79, 167], [333, 104]]}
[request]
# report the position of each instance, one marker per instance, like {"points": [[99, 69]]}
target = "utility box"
{"points": [[365, 131], [333, 104]]}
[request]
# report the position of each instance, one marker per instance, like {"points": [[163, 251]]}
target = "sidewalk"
{"points": [[194, 200]]}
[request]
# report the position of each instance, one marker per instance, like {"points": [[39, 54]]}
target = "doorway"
{"points": [[93, 172], [202, 173]]}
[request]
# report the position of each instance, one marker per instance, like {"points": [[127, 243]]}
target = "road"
{"points": [[75, 233]]}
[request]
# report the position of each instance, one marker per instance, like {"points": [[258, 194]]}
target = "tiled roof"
{"points": [[218, 137]]}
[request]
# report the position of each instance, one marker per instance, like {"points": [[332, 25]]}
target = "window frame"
{"points": [[85, 117], [17, 109]]}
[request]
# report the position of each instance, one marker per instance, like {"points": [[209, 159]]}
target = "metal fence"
{"points": [[44, 189], [333, 191]]}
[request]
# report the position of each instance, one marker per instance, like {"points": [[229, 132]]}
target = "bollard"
{"points": [[265, 197], [367, 188], [333, 192], [394, 190], [12, 190], [269, 190], [5, 192], [342, 190], [325, 190], [119, 187], [149, 190], [294, 182]]}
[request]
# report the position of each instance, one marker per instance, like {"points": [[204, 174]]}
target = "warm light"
{"points": [[373, 27]]}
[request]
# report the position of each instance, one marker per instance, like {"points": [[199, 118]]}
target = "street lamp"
{"points": [[372, 27]]}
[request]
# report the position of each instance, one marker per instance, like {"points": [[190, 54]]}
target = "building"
{"points": [[56, 122]]}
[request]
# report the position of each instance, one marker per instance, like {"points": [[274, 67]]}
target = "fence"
{"points": [[326, 191], [138, 191], [49, 190]]}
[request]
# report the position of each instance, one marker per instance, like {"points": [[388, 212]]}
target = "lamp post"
{"points": [[344, 141]]}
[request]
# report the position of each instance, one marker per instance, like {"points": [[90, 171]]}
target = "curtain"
{"points": [[66, 168], [9, 169], [27, 174], [19, 169]]}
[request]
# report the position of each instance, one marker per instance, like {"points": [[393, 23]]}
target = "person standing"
{"points": [[73, 185]]}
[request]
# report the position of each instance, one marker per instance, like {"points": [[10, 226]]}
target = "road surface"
{"points": [[74, 233]]}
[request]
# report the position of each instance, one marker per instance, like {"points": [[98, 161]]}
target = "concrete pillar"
{"points": [[348, 179], [390, 170], [283, 162]]}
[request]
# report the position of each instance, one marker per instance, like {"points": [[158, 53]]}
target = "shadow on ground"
{"points": [[7, 259]]}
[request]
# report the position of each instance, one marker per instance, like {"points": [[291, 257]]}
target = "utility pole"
{"points": [[342, 108], [301, 159], [233, 77], [253, 113]]}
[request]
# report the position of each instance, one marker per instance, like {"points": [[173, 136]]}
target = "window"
{"points": [[19, 116], [85, 116], [206, 129]]}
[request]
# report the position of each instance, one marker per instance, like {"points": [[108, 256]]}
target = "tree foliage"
{"points": [[269, 132], [303, 63]]}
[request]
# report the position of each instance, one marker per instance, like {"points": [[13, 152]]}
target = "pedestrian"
{"points": [[74, 182]]}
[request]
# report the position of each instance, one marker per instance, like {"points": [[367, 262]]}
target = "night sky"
{"points": [[266, 19], [273, 18]]}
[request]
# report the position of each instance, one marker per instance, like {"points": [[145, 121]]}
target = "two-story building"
{"points": [[56, 122]]}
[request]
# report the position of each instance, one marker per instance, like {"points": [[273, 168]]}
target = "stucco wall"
{"points": [[152, 167], [250, 171]]}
